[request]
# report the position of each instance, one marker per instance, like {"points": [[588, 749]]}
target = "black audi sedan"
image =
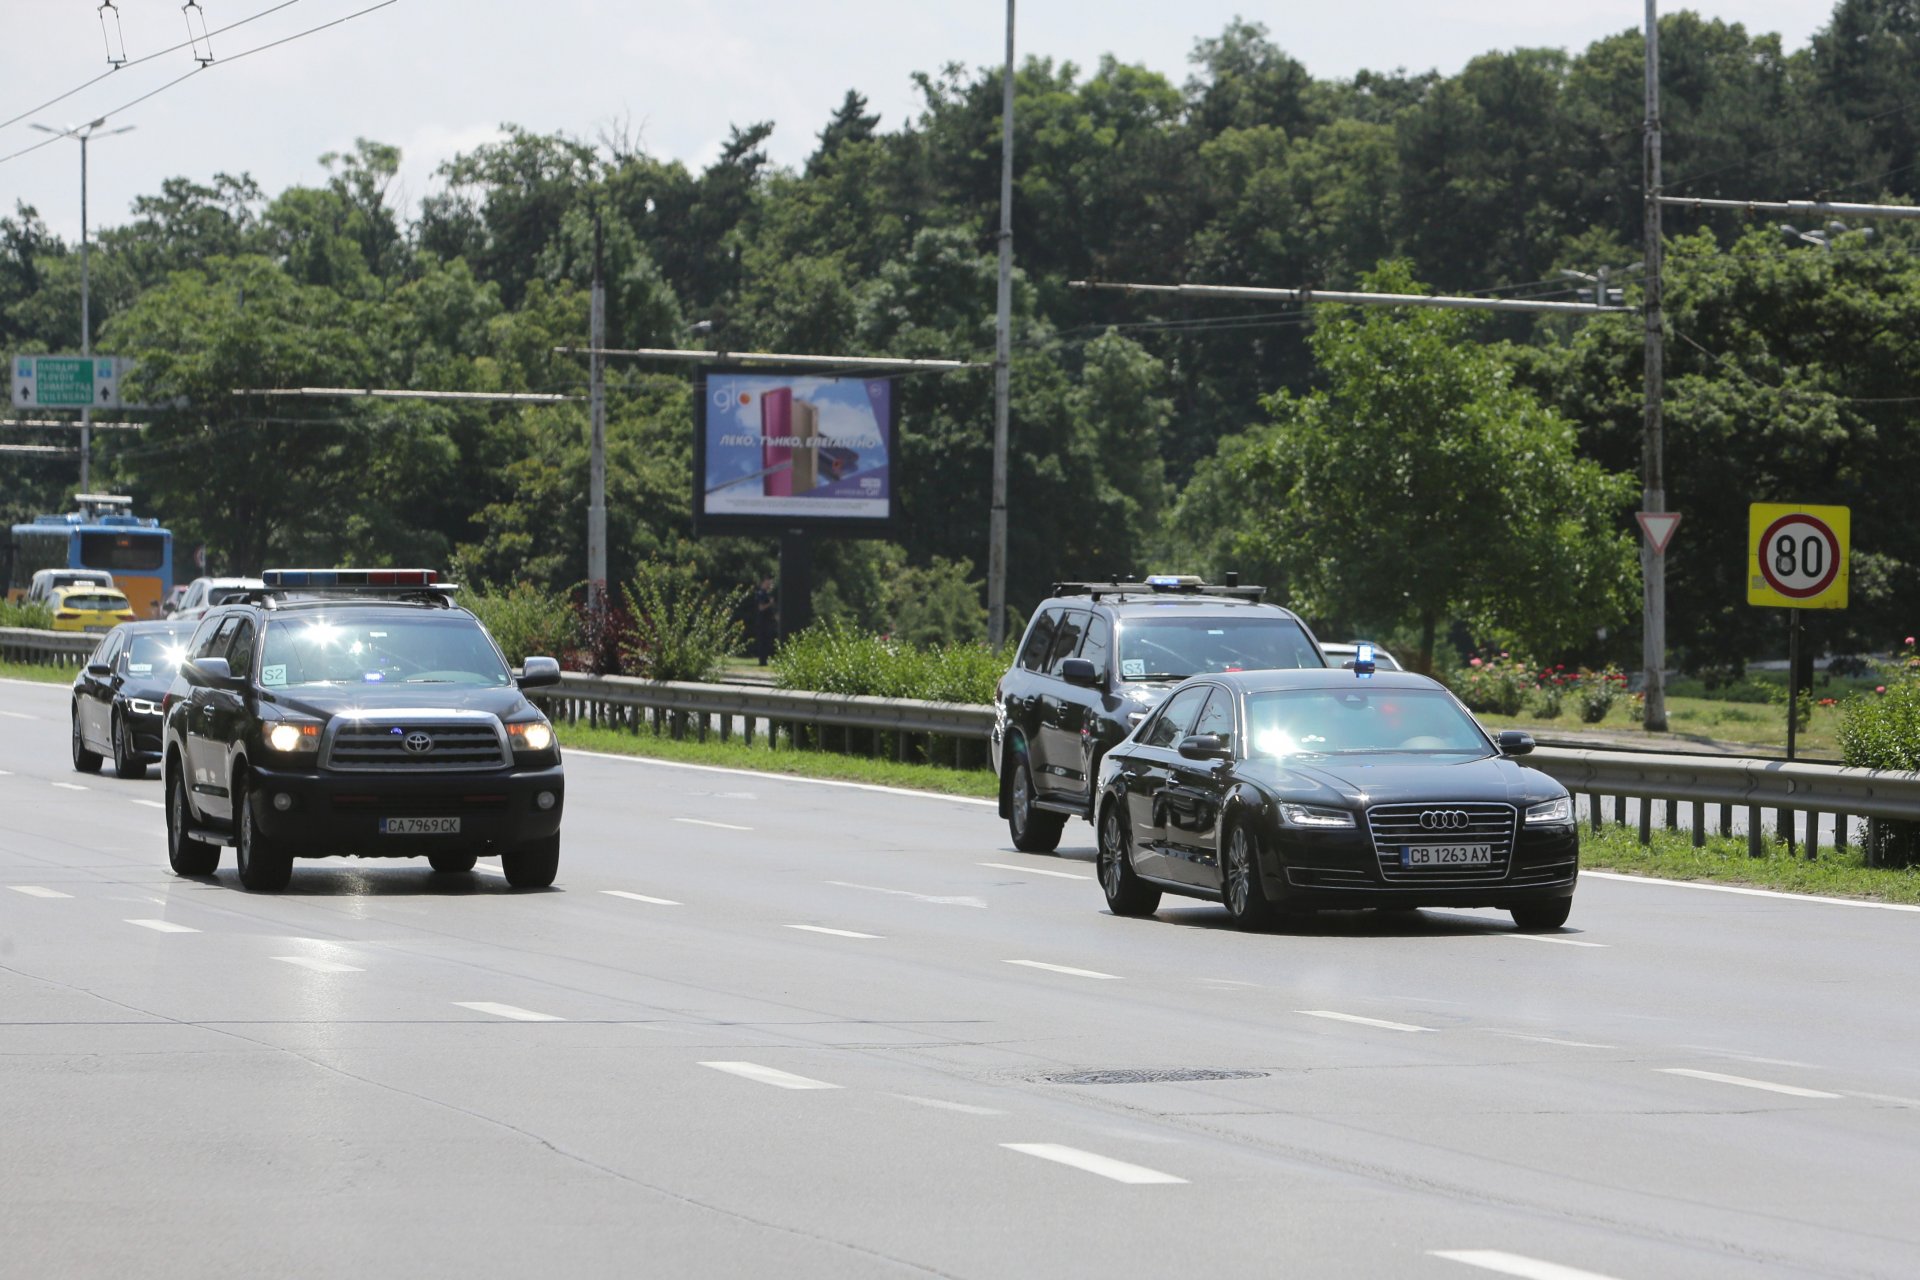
{"points": [[1293, 790], [117, 696]]}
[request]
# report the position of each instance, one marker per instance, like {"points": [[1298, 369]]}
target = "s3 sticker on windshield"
{"points": [[1133, 668]]}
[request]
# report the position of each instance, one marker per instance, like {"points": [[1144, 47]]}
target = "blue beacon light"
{"points": [[1363, 664]]}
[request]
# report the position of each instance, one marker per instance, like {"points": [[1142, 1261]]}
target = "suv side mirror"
{"points": [[1515, 742], [1080, 671], [539, 671], [213, 672], [1203, 746]]}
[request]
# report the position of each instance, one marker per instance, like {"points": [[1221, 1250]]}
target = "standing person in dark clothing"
{"points": [[765, 620]]}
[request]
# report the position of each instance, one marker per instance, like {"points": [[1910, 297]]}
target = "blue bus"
{"points": [[103, 534]]}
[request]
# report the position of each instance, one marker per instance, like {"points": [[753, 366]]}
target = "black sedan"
{"points": [[1275, 791], [117, 696]]}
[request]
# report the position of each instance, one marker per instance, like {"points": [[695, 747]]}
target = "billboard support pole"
{"points": [[796, 582], [1002, 361]]}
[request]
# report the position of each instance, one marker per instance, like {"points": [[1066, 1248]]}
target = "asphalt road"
{"points": [[774, 1027]]}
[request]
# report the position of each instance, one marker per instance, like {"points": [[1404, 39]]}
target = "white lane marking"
{"points": [[1750, 893], [320, 966], [71, 786], [1062, 968], [1791, 1090], [768, 1075], [1365, 1022], [836, 933], [151, 804], [163, 926], [6, 773], [702, 822], [18, 715], [1036, 871], [507, 1011], [37, 891], [1515, 1264], [1567, 1044], [1742, 1056], [944, 900], [941, 1104], [781, 777], [641, 897], [1548, 937], [1894, 1099], [1088, 1162], [482, 870]]}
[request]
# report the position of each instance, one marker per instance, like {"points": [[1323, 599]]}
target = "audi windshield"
{"points": [[1357, 721], [342, 648]]}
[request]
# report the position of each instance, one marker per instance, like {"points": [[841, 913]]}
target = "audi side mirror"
{"points": [[1080, 671], [1515, 742], [1203, 746], [537, 672]]}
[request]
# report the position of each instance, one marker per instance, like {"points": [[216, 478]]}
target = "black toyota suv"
{"points": [[1099, 656], [357, 712]]}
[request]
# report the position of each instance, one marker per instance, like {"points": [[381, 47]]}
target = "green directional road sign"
{"points": [[66, 382]]}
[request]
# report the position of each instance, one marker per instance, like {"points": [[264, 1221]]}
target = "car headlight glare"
{"points": [[1306, 815], [1560, 810], [293, 737], [535, 736]]}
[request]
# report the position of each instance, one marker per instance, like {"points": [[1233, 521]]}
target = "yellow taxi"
{"points": [[90, 607]]}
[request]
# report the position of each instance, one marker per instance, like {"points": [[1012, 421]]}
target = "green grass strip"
{"points": [[1672, 856], [783, 759], [37, 671]]}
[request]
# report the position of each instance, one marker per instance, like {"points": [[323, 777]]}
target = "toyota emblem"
{"points": [[1430, 819], [418, 743]]}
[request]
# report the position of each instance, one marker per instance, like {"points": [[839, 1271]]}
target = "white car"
{"points": [[47, 581], [204, 593], [1339, 654]]}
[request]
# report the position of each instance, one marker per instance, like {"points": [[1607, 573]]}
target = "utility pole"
{"points": [[1002, 365], [597, 467], [1653, 496]]}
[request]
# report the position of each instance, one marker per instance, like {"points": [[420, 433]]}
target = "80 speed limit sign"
{"points": [[1797, 555]]}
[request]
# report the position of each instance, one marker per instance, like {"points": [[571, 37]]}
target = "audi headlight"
{"points": [[1306, 815], [290, 737], [1560, 810], [536, 735]]}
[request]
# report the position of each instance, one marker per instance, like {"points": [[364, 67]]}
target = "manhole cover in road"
{"points": [[1167, 1075]]}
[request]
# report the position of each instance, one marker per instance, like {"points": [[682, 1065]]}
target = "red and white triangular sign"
{"points": [[1658, 527]]}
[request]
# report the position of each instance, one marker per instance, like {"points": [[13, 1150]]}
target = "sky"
{"points": [[436, 77]]}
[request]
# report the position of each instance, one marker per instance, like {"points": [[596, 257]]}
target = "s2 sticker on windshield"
{"points": [[1133, 668], [274, 674]]}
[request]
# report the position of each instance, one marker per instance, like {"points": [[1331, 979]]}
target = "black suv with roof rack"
{"points": [[1096, 659], [357, 712]]}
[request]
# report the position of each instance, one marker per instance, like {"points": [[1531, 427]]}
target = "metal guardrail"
{"points": [[1799, 794], [54, 648]]}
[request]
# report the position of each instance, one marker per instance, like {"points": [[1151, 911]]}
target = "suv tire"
{"points": [[534, 866], [451, 863], [187, 856], [1240, 887], [1127, 894], [1033, 830], [265, 865], [84, 761]]}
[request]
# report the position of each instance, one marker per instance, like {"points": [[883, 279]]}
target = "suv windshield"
{"points": [[1175, 648], [1352, 722], [340, 648]]}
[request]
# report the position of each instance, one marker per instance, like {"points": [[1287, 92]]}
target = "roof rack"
{"points": [[1163, 585], [396, 584]]}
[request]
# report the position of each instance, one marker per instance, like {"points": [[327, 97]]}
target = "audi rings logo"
{"points": [[1430, 819], [418, 743]]}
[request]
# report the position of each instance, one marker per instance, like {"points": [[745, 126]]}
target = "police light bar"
{"points": [[1174, 581], [1363, 664], [354, 579]]}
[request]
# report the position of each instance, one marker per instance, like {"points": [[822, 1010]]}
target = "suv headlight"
{"points": [[1306, 815], [1560, 810], [290, 736], [533, 736]]}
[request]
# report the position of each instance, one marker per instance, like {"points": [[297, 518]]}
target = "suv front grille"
{"points": [[1394, 825], [382, 746]]}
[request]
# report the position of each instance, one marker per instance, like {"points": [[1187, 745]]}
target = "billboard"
{"points": [[785, 449]]}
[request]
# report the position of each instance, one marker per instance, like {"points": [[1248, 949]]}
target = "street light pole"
{"points": [[1002, 366], [84, 133], [1653, 496]]}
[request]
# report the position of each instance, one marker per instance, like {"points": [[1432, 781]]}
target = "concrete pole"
{"points": [[86, 330], [597, 465], [1002, 365], [1653, 497]]}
